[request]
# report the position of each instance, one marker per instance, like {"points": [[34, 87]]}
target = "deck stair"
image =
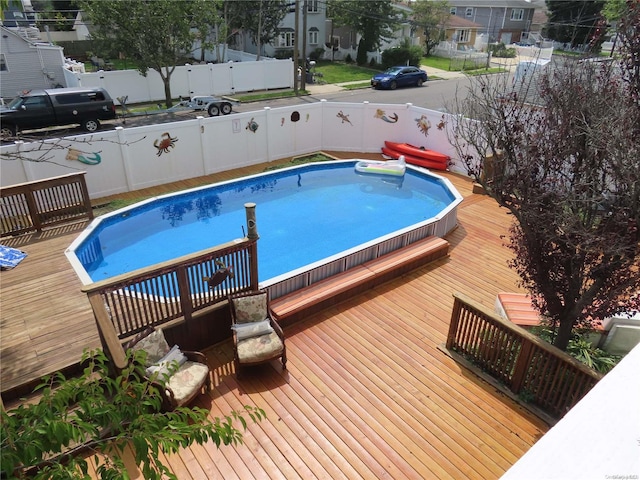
{"points": [[335, 289]]}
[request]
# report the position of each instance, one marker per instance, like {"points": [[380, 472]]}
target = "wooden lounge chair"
{"points": [[180, 376], [257, 336]]}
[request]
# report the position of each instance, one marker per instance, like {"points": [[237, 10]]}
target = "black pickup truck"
{"points": [[56, 107]]}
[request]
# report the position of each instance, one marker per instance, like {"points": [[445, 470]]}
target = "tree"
{"points": [[374, 20], [567, 170], [431, 17], [260, 18], [97, 416], [154, 34], [573, 22]]}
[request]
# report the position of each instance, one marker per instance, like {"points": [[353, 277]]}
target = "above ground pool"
{"points": [[304, 215]]}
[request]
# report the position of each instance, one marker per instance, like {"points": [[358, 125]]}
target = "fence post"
{"points": [[185, 293], [107, 331], [455, 319], [85, 195], [521, 366], [33, 208]]}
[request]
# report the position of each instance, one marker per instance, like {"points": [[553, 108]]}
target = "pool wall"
{"points": [[438, 226], [128, 159], [85, 249]]}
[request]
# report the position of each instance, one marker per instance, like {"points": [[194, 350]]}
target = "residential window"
{"points": [[517, 14], [463, 36], [3, 63], [468, 12], [452, 10], [313, 37], [286, 39], [312, 6]]}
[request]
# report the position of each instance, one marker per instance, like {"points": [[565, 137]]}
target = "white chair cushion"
{"points": [[166, 363], [256, 349], [189, 378], [252, 329]]}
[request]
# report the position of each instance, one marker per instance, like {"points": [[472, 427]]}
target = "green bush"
{"points": [[283, 54], [361, 55], [316, 54], [500, 50], [348, 58], [406, 55], [581, 349]]}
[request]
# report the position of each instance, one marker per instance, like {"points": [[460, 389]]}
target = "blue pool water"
{"points": [[303, 215]]}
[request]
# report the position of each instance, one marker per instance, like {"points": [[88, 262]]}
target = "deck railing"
{"points": [[32, 206], [175, 290], [539, 373]]}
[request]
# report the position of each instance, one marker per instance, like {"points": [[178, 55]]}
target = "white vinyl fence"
{"points": [[129, 159], [189, 80]]}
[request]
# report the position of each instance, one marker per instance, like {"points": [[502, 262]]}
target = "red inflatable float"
{"points": [[417, 155]]}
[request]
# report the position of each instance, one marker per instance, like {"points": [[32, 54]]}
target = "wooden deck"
{"points": [[367, 394]]}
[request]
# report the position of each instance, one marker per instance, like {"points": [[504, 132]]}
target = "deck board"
{"points": [[367, 394]]}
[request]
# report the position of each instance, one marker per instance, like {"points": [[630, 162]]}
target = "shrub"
{"points": [[406, 55], [316, 54], [283, 54], [361, 56], [348, 58], [500, 50]]}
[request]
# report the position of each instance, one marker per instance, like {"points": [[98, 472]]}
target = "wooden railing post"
{"points": [[33, 208], [455, 320], [522, 365], [85, 195], [107, 331], [186, 302], [253, 261]]}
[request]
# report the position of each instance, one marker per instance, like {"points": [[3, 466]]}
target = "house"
{"points": [[505, 21], [25, 65], [282, 46], [461, 31], [342, 41]]}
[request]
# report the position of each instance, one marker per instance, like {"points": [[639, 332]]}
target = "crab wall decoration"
{"points": [[165, 143], [423, 124]]}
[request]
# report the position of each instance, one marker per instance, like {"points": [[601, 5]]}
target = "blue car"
{"points": [[395, 77]]}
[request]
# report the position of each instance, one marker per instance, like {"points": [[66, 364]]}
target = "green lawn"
{"points": [[338, 72], [436, 62]]}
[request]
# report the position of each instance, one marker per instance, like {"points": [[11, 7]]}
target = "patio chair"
{"points": [[257, 337], [180, 376]]}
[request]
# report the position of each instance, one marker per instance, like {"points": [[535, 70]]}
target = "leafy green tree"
{"points": [[430, 16], [613, 10], [573, 22], [261, 18], [374, 20], [567, 169], [154, 34], [95, 416]]}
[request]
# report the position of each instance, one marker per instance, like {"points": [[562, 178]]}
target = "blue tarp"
{"points": [[10, 257]]}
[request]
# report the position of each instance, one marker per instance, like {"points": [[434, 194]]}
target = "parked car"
{"points": [[56, 107], [400, 76]]}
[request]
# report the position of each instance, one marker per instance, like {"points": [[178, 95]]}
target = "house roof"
{"points": [[493, 3], [455, 21]]}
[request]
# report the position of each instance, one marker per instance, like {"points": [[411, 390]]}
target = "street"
{"points": [[436, 94]]}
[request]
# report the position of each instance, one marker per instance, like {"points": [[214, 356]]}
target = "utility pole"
{"points": [[304, 45], [295, 47]]}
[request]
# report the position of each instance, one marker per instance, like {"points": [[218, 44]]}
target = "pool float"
{"points": [[421, 162], [417, 155], [390, 167]]}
